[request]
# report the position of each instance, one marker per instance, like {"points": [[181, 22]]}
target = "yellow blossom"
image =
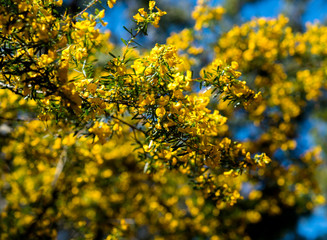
{"points": [[111, 3], [151, 5], [138, 18], [161, 111]]}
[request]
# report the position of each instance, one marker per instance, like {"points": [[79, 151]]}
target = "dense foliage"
{"points": [[141, 146]]}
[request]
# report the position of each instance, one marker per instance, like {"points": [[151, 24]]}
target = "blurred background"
{"points": [[313, 130], [237, 11]]}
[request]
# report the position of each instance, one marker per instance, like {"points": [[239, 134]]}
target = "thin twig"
{"points": [[129, 43], [137, 140], [11, 88], [60, 166], [128, 124], [90, 5], [17, 119]]}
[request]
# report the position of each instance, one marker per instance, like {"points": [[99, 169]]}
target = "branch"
{"points": [[128, 124], [17, 119], [11, 88], [60, 166], [129, 43], [90, 5]]}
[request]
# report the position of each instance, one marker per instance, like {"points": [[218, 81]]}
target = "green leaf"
{"points": [[111, 54], [124, 41], [129, 31], [137, 43]]}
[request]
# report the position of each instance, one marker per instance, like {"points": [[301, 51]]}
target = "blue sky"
{"points": [[314, 225], [316, 11]]}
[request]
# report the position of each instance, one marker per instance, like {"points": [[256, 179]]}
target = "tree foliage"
{"points": [[141, 146]]}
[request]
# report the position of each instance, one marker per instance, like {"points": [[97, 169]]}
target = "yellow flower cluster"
{"points": [[127, 142], [184, 42], [153, 17], [203, 14], [263, 44]]}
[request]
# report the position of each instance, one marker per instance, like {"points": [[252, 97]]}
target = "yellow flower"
{"points": [[59, 3], [234, 65], [155, 23], [138, 18], [101, 14], [163, 100], [143, 13], [151, 5], [161, 13], [178, 94], [228, 173], [161, 111], [111, 3]]}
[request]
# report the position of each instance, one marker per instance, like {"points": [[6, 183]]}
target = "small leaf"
{"points": [[124, 41], [137, 43], [129, 31], [112, 55]]}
